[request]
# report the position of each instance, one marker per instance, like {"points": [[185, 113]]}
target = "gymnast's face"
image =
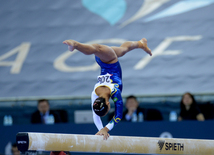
{"points": [[187, 100], [43, 107], [109, 107]]}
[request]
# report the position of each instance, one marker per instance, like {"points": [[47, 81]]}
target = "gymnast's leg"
{"points": [[130, 45], [105, 53]]}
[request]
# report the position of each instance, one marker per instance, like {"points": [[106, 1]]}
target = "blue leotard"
{"points": [[113, 75]]}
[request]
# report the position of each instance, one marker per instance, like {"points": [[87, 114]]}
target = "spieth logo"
{"points": [[170, 146], [161, 144]]}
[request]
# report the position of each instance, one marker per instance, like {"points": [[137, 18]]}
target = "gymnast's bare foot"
{"points": [[143, 44], [70, 44]]}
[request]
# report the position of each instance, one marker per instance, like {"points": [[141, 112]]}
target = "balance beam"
{"points": [[30, 141]]}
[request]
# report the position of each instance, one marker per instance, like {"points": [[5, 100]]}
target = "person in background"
{"points": [[189, 109], [132, 109], [134, 113], [43, 112], [15, 150]]}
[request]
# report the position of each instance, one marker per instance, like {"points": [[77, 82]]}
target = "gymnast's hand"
{"points": [[103, 132]]}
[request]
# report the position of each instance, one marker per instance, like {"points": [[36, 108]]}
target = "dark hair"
{"points": [[193, 101], [131, 96], [100, 107], [43, 100]]}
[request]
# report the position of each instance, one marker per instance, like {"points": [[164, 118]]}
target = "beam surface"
{"points": [[115, 144]]}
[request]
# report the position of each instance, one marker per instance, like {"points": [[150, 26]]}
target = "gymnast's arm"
{"points": [[103, 131], [118, 114], [96, 118], [97, 121], [117, 117]]}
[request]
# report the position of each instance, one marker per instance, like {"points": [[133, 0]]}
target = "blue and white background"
{"points": [[35, 63]]}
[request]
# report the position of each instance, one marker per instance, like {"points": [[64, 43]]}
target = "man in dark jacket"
{"points": [[132, 110], [44, 115], [134, 113]]}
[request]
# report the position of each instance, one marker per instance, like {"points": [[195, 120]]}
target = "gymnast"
{"points": [[109, 83]]}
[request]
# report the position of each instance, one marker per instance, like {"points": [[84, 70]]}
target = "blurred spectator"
{"points": [[43, 114], [132, 109], [15, 150], [189, 109]]}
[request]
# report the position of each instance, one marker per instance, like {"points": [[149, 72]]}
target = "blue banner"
{"points": [[35, 63]]}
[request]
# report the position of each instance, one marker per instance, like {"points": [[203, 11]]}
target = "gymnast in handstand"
{"points": [[109, 83]]}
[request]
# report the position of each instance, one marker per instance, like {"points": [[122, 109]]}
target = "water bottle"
{"points": [[173, 116], [134, 117], [5, 121], [140, 117], [10, 120], [50, 119]]}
